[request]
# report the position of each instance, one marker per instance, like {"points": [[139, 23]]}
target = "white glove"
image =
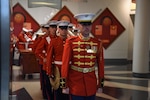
{"points": [[99, 90], [48, 39], [65, 91], [27, 38]]}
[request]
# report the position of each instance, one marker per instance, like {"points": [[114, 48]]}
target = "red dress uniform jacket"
{"points": [[36, 42], [82, 54], [54, 54], [42, 47], [22, 40], [13, 41]]}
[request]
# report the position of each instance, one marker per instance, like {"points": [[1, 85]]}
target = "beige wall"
{"points": [[121, 48]]}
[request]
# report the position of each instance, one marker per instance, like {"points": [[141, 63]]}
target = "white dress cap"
{"points": [[42, 25], [46, 26], [25, 30], [70, 25], [63, 23], [40, 33], [53, 22], [84, 17], [30, 30]]}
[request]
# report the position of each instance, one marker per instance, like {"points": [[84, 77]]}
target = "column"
{"points": [[5, 49], [141, 39]]}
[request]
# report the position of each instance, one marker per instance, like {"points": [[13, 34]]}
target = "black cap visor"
{"points": [[63, 27], [53, 26], [85, 23]]}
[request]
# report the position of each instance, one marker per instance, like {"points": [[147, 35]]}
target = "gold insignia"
{"points": [[91, 56], [78, 56], [78, 49], [86, 63]]}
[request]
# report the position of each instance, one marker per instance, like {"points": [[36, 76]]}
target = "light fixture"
{"points": [[48, 3], [76, 0], [43, 3]]}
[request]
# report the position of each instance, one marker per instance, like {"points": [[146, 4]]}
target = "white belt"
{"points": [[59, 62], [83, 70]]}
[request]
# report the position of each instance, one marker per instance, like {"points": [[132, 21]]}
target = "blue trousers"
{"points": [[47, 87], [74, 97], [61, 96]]}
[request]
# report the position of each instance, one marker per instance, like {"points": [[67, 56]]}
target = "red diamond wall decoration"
{"points": [[107, 28], [19, 16], [65, 14]]}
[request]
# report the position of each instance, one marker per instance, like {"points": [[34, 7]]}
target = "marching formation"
{"points": [[70, 58]]}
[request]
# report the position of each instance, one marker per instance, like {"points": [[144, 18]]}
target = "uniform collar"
{"points": [[84, 38]]}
